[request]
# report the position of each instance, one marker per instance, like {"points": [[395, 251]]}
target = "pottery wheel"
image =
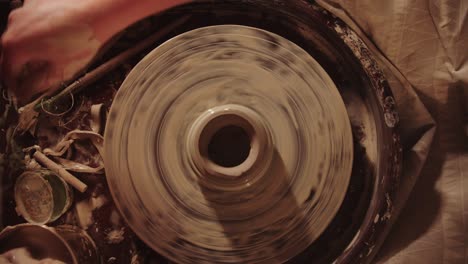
{"points": [[228, 144]]}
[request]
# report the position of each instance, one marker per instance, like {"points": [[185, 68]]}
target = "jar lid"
{"points": [[34, 197]]}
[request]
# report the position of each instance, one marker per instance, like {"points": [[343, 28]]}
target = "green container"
{"points": [[42, 196]]}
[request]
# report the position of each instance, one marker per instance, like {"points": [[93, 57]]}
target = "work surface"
{"points": [[426, 41]]}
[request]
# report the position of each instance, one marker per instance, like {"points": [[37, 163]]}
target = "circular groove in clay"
{"points": [[286, 194]]}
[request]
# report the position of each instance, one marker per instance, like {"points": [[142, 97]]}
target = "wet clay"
{"points": [[278, 203]]}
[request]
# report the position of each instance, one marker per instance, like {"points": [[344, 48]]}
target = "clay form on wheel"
{"points": [[190, 207]]}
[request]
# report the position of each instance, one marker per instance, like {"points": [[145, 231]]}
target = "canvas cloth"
{"points": [[423, 48]]}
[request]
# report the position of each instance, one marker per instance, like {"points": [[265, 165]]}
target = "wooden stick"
{"points": [[111, 64], [50, 164]]}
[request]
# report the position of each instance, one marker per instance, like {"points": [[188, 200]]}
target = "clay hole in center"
{"points": [[227, 140], [229, 146]]}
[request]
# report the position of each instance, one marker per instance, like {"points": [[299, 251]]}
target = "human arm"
{"points": [[49, 41]]}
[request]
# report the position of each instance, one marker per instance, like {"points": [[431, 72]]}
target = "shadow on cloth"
{"points": [[424, 205]]}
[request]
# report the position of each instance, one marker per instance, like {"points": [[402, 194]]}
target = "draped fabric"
{"points": [[423, 48]]}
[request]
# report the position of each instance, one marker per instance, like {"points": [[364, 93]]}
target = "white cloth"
{"points": [[426, 41]]}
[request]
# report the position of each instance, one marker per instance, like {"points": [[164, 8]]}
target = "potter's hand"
{"points": [[49, 41], [46, 42]]}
